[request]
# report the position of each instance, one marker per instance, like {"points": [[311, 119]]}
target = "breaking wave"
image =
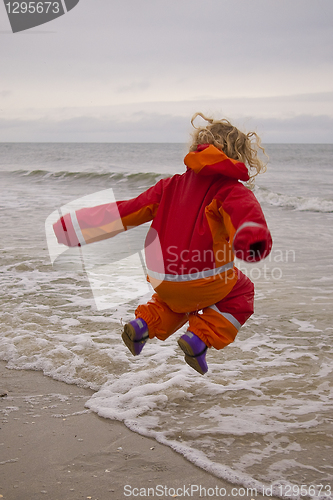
{"points": [[148, 178], [301, 203]]}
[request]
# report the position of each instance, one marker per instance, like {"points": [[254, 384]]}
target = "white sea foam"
{"points": [[304, 326]]}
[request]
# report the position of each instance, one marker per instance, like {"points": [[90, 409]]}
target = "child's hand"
{"points": [[65, 232], [252, 242]]}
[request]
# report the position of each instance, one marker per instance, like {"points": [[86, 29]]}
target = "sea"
{"points": [[263, 415]]}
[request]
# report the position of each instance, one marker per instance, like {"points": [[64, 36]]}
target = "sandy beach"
{"points": [[52, 447]]}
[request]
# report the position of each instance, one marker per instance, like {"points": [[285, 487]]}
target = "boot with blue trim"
{"points": [[195, 352], [135, 335]]}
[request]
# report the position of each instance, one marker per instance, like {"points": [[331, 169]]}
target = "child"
{"points": [[202, 219]]}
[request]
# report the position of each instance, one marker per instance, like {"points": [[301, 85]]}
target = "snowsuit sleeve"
{"points": [[246, 225], [88, 225]]}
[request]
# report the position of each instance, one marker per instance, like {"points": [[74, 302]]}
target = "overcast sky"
{"points": [[137, 70]]}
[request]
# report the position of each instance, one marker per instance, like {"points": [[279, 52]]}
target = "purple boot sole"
{"points": [[135, 335], [195, 352]]}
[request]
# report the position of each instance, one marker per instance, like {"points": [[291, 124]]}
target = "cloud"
{"points": [[297, 118], [142, 128], [299, 129], [157, 127]]}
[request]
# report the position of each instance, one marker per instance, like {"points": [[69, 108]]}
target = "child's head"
{"points": [[231, 141]]}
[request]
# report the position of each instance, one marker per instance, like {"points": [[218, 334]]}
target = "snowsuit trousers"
{"points": [[217, 325]]}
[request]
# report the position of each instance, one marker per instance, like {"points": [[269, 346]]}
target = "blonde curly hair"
{"points": [[234, 143]]}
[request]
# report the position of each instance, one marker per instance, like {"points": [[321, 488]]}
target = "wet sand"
{"points": [[52, 447]]}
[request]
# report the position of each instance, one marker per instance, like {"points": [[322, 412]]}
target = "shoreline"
{"points": [[52, 447]]}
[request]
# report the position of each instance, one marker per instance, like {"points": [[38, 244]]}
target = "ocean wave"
{"points": [[301, 203], [146, 177]]}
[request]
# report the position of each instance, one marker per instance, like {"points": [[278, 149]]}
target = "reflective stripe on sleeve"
{"points": [[77, 229], [247, 224]]}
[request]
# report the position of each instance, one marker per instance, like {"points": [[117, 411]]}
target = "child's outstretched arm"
{"points": [[88, 225], [246, 225]]}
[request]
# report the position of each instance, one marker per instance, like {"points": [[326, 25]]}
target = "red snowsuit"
{"points": [[201, 220]]}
